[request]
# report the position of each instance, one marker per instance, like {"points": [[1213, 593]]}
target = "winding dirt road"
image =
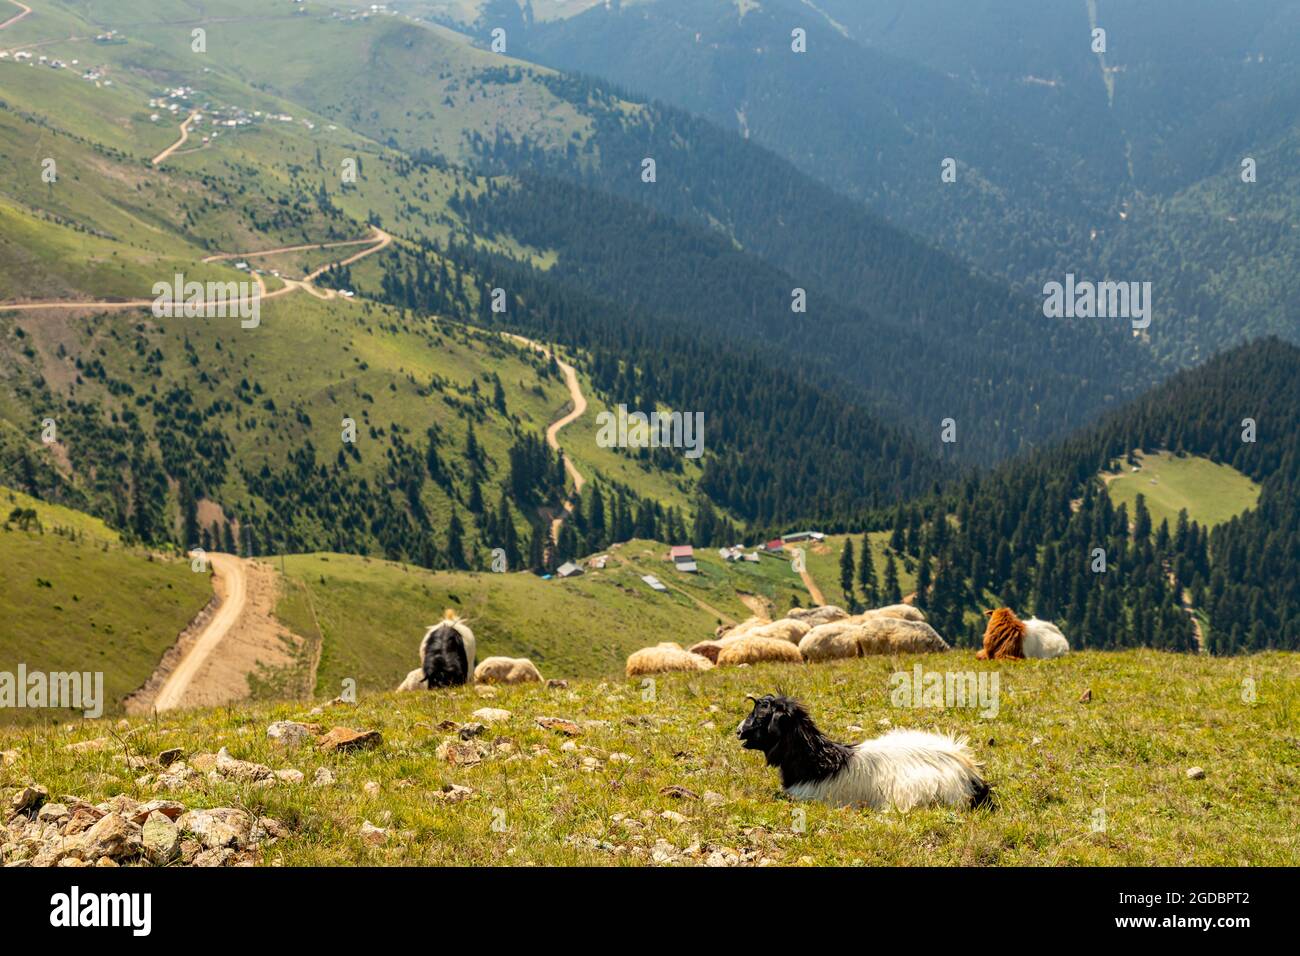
{"points": [[579, 402], [230, 570], [378, 240], [185, 135], [25, 9]]}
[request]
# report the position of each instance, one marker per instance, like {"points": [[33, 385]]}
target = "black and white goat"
{"points": [[902, 769], [446, 656]]}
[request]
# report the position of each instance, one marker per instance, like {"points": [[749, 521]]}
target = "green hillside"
{"points": [[372, 613], [76, 599], [1098, 783], [1211, 493]]}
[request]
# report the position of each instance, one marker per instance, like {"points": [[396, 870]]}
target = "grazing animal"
{"points": [[902, 769], [663, 658], [506, 670], [1008, 638], [881, 634], [750, 649], [812, 616], [447, 652], [786, 629], [707, 649]]}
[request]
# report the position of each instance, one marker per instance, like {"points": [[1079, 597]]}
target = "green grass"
{"points": [[1212, 493], [74, 599], [1054, 763]]}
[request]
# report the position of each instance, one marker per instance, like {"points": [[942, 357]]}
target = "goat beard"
{"points": [[1004, 637]]}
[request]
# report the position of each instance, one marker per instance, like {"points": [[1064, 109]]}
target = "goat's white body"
{"points": [[1043, 639], [466, 637], [902, 769]]}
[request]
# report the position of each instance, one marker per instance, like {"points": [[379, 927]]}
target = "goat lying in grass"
{"points": [[1009, 638], [902, 769]]}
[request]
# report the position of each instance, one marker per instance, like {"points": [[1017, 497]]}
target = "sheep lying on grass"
{"points": [[813, 616], [707, 649], [874, 635], [755, 650], [663, 658], [902, 769], [905, 611], [1008, 638], [506, 670]]}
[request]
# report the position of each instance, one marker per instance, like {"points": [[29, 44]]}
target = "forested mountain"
{"points": [[1124, 164], [1027, 534], [873, 293]]}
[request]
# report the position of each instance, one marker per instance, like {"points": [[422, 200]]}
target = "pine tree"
{"points": [[456, 543], [867, 573], [893, 593], [846, 573]]}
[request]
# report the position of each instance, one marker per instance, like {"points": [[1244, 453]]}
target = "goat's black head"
{"points": [[781, 728], [770, 723]]}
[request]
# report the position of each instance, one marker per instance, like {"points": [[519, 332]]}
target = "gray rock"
{"points": [[290, 733], [233, 769], [324, 777], [161, 838], [1195, 773], [221, 827], [29, 799], [112, 835]]}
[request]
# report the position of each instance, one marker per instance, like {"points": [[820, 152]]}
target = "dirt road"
{"points": [[185, 134], [579, 402], [378, 240], [25, 9], [229, 571]]}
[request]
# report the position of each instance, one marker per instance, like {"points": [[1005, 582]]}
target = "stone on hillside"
{"points": [[8, 758], [678, 792], [471, 730], [491, 715], [371, 788], [557, 683], [168, 808], [269, 828], [323, 777], [1195, 773], [178, 775], [459, 753], [216, 856], [83, 818], [169, 756], [29, 798], [221, 827], [453, 793], [113, 836], [53, 813], [161, 838], [373, 835], [244, 770], [345, 738], [290, 733], [559, 725], [289, 775], [714, 799]]}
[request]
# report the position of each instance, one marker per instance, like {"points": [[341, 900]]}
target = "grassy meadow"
{"points": [[75, 599], [1097, 783], [1212, 493]]}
